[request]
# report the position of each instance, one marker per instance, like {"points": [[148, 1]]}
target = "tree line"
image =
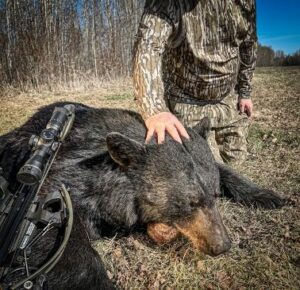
{"points": [[266, 56], [66, 41]]}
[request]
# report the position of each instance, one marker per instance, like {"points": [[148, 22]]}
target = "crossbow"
{"points": [[27, 216]]}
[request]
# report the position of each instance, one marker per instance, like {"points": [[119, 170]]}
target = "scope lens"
{"points": [[32, 171], [29, 175]]}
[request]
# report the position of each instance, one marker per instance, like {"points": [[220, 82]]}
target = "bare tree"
{"points": [[58, 41]]}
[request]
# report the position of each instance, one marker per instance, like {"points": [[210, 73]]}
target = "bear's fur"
{"points": [[118, 183]]}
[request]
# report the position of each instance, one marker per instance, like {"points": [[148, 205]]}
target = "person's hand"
{"points": [[164, 122], [245, 106]]}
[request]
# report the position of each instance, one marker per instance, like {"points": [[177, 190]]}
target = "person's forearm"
{"points": [[148, 86], [153, 34], [248, 55]]}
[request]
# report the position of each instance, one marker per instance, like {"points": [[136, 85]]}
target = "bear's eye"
{"points": [[195, 202], [217, 193]]}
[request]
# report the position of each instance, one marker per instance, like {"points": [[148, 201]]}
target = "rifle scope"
{"points": [[46, 144]]}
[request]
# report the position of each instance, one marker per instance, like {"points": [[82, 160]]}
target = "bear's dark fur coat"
{"points": [[118, 183]]}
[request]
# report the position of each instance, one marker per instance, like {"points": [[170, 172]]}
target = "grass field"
{"points": [[266, 244]]}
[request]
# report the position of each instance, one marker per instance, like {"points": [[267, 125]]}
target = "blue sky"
{"points": [[278, 24]]}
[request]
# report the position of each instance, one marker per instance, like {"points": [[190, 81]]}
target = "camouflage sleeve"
{"points": [[248, 55], [154, 32]]}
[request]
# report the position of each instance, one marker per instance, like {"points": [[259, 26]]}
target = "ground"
{"points": [[266, 244]]}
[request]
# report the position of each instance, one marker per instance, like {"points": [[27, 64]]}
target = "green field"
{"points": [[265, 250]]}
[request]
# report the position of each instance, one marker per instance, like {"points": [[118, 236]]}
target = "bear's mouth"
{"points": [[162, 233], [204, 229]]}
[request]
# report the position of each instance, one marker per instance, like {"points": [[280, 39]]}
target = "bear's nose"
{"points": [[221, 247]]}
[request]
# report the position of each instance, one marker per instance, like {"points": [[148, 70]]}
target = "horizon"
{"points": [[278, 25]]}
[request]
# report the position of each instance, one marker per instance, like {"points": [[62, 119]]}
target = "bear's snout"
{"points": [[220, 247], [206, 231]]}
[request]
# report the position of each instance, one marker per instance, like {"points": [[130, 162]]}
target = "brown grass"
{"points": [[265, 252], [17, 106]]}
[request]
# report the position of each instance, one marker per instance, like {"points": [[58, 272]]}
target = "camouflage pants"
{"points": [[228, 137]]}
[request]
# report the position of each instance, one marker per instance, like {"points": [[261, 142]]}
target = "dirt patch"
{"points": [[265, 244]]}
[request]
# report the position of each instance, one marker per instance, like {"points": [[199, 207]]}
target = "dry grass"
{"points": [[17, 106], [265, 252]]}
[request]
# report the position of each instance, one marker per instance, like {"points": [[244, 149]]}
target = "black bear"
{"points": [[118, 183]]}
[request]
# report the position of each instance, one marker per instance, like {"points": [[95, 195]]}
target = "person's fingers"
{"points": [[149, 135], [249, 111], [172, 131], [181, 130], [242, 107], [158, 125], [160, 131]]}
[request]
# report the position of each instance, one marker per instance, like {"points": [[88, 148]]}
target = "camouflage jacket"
{"points": [[200, 49]]}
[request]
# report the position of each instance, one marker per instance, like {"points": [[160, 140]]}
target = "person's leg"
{"points": [[232, 142], [214, 147], [232, 132], [190, 115], [228, 138]]}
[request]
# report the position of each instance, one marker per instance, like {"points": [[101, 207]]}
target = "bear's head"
{"points": [[177, 187]]}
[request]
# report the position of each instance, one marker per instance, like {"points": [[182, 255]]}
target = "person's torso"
{"points": [[202, 59]]}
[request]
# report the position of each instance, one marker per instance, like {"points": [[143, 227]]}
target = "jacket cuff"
{"points": [[244, 95], [146, 114]]}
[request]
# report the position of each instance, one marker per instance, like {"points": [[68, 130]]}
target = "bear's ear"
{"points": [[203, 127], [123, 150]]}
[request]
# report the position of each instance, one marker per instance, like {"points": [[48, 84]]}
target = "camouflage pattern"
{"points": [[228, 137], [198, 49], [190, 58]]}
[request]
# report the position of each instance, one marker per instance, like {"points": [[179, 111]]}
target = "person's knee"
{"points": [[235, 157], [234, 152], [214, 147]]}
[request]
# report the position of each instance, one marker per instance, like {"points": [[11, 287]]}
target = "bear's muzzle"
{"points": [[204, 229]]}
